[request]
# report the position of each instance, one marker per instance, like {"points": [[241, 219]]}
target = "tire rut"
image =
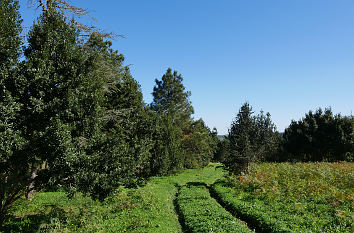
{"points": [[229, 209], [181, 219]]}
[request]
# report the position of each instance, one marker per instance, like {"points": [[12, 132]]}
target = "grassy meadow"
{"points": [[273, 197], [150, 208]]}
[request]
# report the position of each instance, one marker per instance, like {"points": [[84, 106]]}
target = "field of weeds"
{"points": [[298, 197]]}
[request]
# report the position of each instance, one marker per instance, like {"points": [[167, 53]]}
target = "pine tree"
{"points": [[171, 98], [173, 108], [252, 138], [191, 142], [266, 138], [240, 136]]}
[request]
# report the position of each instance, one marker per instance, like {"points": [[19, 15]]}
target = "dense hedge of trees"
{"points": [[72, 115], [319, 136]]}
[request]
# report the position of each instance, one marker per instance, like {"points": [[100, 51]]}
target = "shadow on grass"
{"points": [[189, 184], [35, 222], [28, 224], [181, 218]]}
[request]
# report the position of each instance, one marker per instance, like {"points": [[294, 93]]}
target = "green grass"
{"points": [[145, 209], [301, 197], [202, 213]]}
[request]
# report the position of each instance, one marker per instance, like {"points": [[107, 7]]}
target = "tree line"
{"points": [[319, 136], [72, 115]]}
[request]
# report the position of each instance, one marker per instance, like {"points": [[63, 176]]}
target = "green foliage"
{"points": [[320, 136], [201, 213], [167, 155], [302, 197], [61, 101], [222, 150], [252, 138], [15, 163], [118, 152], [171, 98], [180, 142], [83, 103], [198, 145], [10, 29]]}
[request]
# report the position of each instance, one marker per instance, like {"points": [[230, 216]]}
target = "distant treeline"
{"points": [[319, 136], [71, 114]]}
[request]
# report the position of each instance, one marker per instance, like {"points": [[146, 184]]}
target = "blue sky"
{"points": [[285, 57]]}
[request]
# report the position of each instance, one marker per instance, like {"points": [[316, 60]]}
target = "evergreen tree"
{"points": [[15, 163], [173, 108], [128, 124], [114, 133], [191, 142], [252, 138], [167, 155], [55, 70], [240, 136], [222, 150], [198, 145], [86, 108], [319, 136], [266, 138], [171, 98]]}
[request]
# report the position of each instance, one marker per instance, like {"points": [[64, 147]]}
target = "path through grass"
{"points": [[145, 209]]}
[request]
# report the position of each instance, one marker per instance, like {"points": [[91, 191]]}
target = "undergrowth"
{"points": [[301, 197]]}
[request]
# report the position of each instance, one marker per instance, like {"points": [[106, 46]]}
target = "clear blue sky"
{"points": [[285, 57]]}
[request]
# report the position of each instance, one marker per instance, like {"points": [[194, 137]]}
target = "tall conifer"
{"points": [[15, 162]]}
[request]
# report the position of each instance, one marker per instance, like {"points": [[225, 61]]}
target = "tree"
{"points": [[252, 138], [90, 108], [55, 70], [198, 145], [191, 142], [319, 136], [173, 111], [222, 150], [240, 136], [66, 104], [128, 124], [167, 155], [15, 163], [171, 98], [72, 14], [266, 138]]}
